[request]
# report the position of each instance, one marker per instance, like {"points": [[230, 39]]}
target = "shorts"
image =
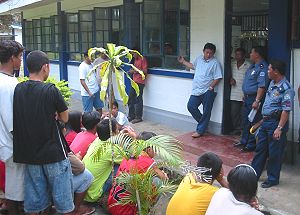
{"points": [[82, 181], [47, 182], [90, 102], [14, 180]]}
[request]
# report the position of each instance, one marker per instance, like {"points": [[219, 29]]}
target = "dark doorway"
{"points": [[246, 25]]}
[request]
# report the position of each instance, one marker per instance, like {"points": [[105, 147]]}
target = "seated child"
{"points": [[121, 118], [142, 163], [83, 139], [240, 197], [73, 126], [101, 169], [196, 190]]}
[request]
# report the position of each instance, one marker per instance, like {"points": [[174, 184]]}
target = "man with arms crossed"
{"points": [[37, 141], [90, 90]]}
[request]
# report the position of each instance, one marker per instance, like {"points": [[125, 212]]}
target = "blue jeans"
{"points": [[90, 102], [82, 181], [269, 148], [46, 182], [247, 138], [207, 100]]}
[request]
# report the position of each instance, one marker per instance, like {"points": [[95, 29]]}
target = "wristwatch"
{"points": [[279, 127]]}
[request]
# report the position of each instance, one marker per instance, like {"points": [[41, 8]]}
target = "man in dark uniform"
{"points": [[272, 133], [254, 87]]}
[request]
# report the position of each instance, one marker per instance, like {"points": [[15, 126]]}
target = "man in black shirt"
{"points": [[37, 141]]}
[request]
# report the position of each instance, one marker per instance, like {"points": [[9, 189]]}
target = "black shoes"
{"points": [[136, 121], [267, 184], [246, 149], [238, 144]]}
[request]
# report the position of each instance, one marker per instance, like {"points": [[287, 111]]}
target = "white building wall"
{"points": [[172, 94], [54, 71], [18, 35], [295, 75], [73, 77]]}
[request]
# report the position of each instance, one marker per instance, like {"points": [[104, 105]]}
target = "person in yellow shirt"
{"points": [[196, 190]]}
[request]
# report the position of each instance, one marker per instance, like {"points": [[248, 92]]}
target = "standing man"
{"points": [[10, 60], [272, 133], [238, 68], [254, 87], [135, 102], [37, 140], [90, 90], [208, 74]]}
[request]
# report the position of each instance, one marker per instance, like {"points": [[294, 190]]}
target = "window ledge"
{"points": [[171, 73]]}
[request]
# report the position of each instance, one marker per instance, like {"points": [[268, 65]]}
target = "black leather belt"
{"points": [[275, 115], [250, 95]]}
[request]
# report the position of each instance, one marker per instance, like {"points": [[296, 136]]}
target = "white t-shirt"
{"points": [[122, 119], [223, 202], [90, 81], [7, 88], [238, 74]]}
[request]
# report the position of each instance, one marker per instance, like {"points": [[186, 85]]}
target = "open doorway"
{"points": [[246, 26]]}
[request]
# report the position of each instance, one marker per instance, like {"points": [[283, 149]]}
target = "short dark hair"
{"points": [[278, 65], [146, 135], [90, 119], [242, 50], [103, 128], [210, 46], [260, 50], [74, 122], [115, 103], [9, 48], [210, 161], [36, 60], [243, 182], [86, 53]]}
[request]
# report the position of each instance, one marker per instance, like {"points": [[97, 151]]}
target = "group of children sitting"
{"points": [[195, 195]]}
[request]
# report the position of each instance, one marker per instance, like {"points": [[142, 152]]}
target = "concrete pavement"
{"points": [[279, 200]]}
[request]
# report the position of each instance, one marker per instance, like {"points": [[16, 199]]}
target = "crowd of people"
{"points": [[47, 153]]}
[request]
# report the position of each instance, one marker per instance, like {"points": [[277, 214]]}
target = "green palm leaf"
{"points": [[167, 148]]}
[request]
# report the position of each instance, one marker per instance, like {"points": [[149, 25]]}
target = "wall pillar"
{"points": [[63, 56]]}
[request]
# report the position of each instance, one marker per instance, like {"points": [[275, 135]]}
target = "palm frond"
{"points": [[141, 186], [167, 148]]}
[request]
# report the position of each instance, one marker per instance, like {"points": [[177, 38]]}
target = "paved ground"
{"points": [[279, 200]]}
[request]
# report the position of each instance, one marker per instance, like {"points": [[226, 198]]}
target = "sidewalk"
{"points": [[279, 200]]}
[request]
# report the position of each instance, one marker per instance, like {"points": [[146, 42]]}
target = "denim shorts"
{"points": [[47, 182], [90, 102], [82, 181]]}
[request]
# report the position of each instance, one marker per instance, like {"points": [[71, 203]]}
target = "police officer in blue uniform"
{"points": [[272, 133], [254, 86]]}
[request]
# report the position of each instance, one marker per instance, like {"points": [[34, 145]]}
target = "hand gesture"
{"points": [[180, 59]]}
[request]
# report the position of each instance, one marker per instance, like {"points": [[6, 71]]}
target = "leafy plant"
{"points": [[62, 86], [169, 153], [116, 57], [142, 189]]}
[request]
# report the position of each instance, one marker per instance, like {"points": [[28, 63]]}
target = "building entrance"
{"points": [[246, 27]]}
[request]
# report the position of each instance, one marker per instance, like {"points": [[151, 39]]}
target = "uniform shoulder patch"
{"points": [[262, 74], [287, 97]]}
